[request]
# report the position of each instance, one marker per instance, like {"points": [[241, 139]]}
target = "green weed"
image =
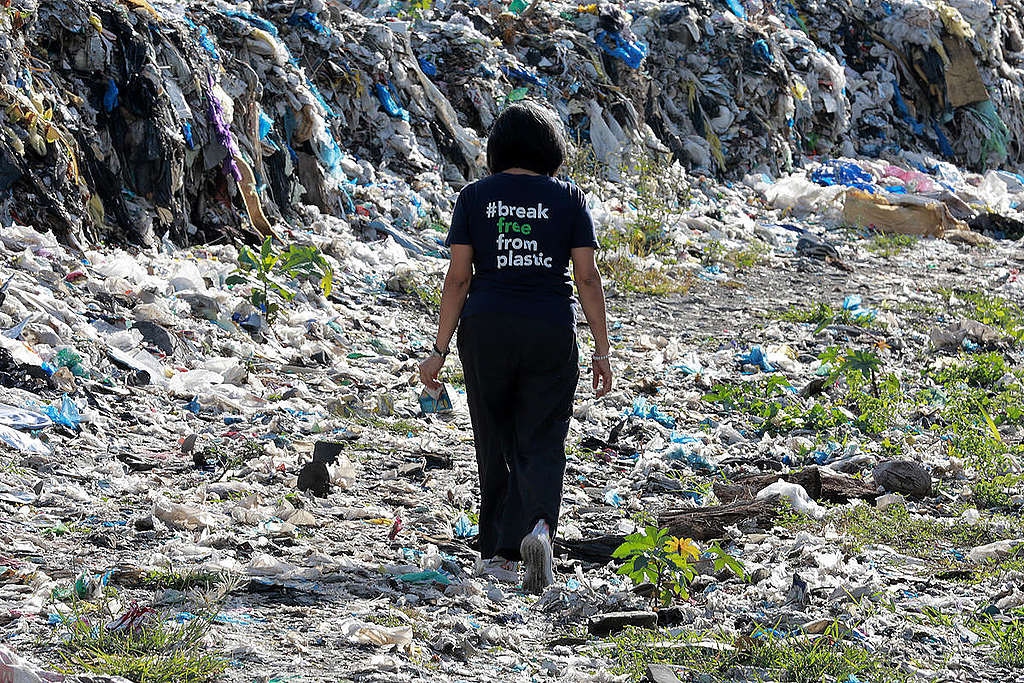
{"points": [[888, 246], [925, 538], [623, 271], [822, 315], [429, 296], [1006, 638], [993, 310], [260, 271], [767, 658], [754, 254], [656, 556], [154, 651]]}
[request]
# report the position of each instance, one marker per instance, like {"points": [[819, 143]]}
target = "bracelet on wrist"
{"points": [[600, 357], [439, 352]]}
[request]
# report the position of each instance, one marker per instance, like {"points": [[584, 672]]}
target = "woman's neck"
{"points": [[520, 171]]}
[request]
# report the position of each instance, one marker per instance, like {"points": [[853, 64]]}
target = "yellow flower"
{"points": [[682, 546]]}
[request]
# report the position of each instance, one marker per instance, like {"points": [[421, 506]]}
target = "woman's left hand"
{"points": [[429, 367]]}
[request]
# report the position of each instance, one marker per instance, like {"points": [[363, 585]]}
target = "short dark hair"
{"points": [[528, 136]]}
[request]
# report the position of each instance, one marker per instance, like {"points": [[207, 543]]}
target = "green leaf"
{"points": [[989, 423], [640, 562], [247, 259], [326, 283], [628, 548], [266, 249], [285, 294]]}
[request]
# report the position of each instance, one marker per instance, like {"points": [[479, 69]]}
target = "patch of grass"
{"points": [[454, 376], [155, 650], [977, 370], [622, 270], [888, 246], [925, 538], [993, 310], [187, 580], [822, 315], [825, 657], [397, 426], [972, 418], [754, 254], [429, 296], [1005, 638]]}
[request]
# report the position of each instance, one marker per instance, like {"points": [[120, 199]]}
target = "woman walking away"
{"points": [[508, 289]]}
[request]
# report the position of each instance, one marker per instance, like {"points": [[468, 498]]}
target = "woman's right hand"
{"points": [[602, 376], [429, 369]]}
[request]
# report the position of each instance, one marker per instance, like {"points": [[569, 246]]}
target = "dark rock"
{"points": [[315, 478], [813, 388], [613, 622], [903, 476]]}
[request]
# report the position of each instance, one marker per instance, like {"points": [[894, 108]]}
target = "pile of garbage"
{"points": [[133, 120], [221, 448]]}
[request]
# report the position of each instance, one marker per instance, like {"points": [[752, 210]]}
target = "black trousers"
{"points": [[521, 376]]}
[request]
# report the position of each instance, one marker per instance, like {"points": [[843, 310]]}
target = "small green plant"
{"points": [[1004, 638], [261, 270], [822, 315], [713, 253], [832, 656], [150, 648], [991, 309], [754, 254], [980, 370], [889, 246], [865, 363], [622, 269], [661, 559], [582, 164], [664, 560]]}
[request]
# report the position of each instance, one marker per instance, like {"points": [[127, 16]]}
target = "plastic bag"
{"points": [[66, 413], [632, 52], [389, 103], [797, 496]]}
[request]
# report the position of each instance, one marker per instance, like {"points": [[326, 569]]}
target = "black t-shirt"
{"points": [[522, 228]]}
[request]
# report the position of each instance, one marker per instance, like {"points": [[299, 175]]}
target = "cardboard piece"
{"points": [[905, 215], [963, 81]]}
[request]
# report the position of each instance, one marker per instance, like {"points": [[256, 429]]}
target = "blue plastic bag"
{"points": [[631, 52], [843, 173], [524, 75], [427, 67], [758, 358], [309, 19], [464, 528], [66, 413], [643, 408], [736, 8], [389, 103], [852, 303], [762, 52], [111, 96]]}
